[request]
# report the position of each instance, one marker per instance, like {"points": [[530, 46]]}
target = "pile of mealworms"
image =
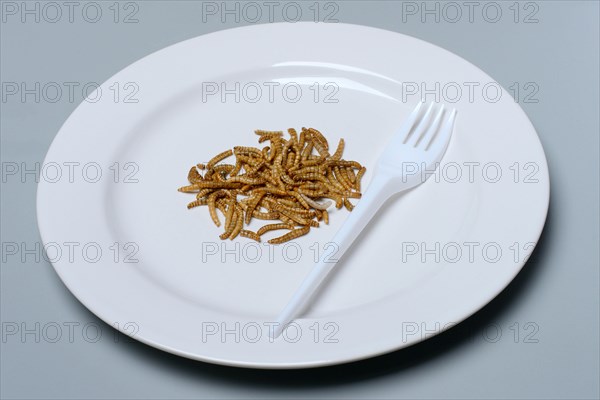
{"points": [[290, 181]]}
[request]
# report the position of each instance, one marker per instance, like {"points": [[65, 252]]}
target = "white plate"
{"points": [[181, 298]]}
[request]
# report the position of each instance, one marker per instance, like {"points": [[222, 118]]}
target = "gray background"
{"points": [[557, 291]]}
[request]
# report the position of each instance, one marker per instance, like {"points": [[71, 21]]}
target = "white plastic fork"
{"points": [[419, 145]]}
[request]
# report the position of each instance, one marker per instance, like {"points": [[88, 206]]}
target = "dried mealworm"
{"points": [[359, 176], [271, 215], [229, 214], [350, 175], [296, 233], [314, 169], [307, 150], [247, 150], [246, 180], [231, 226], [311, 192], [326, 217], [272, 136], [271, 227], [250, 235], [253, 205], [334, 182], [196, 203], [353, 195], [287, 221], [193, 188], [297, 218], [293, 135], [300, 199], [319, 138], [301, 139], [217, 185], [219, 157], [348, 205], [212, 208], [262, 132], [239, 224], [314, 204], [343, 163], [340, 149], [342, 178], [312, 162], [194, 176]]}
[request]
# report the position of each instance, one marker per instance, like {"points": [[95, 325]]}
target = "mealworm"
{"points": [[253, 205], [247, 150], [246, 180], [300, 199], [348, 205], [273, 190], [270, 136], [311, 192], [319, 206], [301, 139], [287, 221], [334, 182], [343, 163], [194, 175], [312, 162], [239, 224], [314, 169], [286, 179], [319, 138], [296, 233], [307, 150], [290, 203], [262, 132], [229, 214], [340, 149], [342, 178], [277, 206], [219, 157], [290, 161], [353, 195], [211, 207], [359, 176], [271, 227], [229, 228], [293, 135], [350, 175], [196, 203], [250, 235], [297, 218], [190, 188], [271, 215], [217, 184]]}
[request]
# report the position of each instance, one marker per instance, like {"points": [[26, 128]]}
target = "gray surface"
{"points": [[558, 290]]}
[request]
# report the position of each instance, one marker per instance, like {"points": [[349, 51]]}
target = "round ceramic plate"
{"points": [[157, 271]]}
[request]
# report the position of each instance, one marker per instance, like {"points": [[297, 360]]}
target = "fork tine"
{"points": [[424, 141], [418, 131], [410, 122], [441, 140]]}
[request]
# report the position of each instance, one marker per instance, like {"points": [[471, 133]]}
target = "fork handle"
{"points": [[380, 189]]}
